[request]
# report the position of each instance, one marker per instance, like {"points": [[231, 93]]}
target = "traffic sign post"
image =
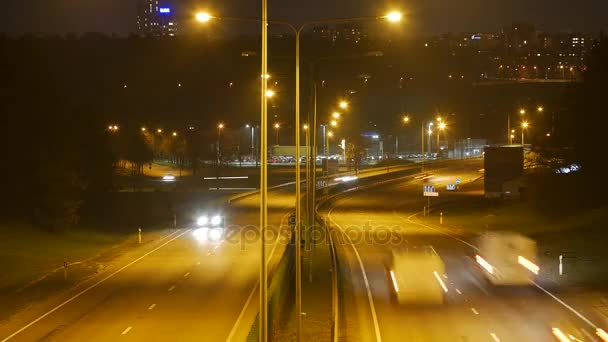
{"points": [[428, 192], [450, 187]]}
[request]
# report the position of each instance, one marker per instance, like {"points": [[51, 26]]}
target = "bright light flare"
{"points": [[343, 104], [445, 289], [202, 220], [203, 17], [528, 264], [602, 334], [525, 125], [334, 123], [216, 220], [270, 93], [486, 265], [169, 178], [394, 16], [560, 335], [394, 279], [336, 115], [346, 179], [442, 126]]}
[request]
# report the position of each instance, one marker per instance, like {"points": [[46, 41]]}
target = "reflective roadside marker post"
{"points": [[440, 218], [139, 235], [561, 269]]}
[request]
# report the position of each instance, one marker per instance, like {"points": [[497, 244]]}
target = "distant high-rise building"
{"points": [[154, 19]]}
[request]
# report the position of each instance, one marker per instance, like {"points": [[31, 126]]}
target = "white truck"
{"points": [[417, 277], [507, 258]]}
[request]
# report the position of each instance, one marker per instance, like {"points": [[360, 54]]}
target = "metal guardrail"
{"points": [[339, 174]]}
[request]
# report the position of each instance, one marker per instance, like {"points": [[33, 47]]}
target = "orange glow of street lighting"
{"points": [[203, 17], [305, 127], [406, 119], [220, 126], [269, 93], [277, 125], [442, 126], [525, 124], [334, 123], [159, 130], [540, 109], [336, 115], [522, 111], [330, 134], [343, 104], [394, 16], [143, 129]]}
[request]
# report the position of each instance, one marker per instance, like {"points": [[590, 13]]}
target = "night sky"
{"points": [[423, 16]]}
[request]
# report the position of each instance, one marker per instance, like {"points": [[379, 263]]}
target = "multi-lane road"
{"points": [[473, 310], [182, 289]]}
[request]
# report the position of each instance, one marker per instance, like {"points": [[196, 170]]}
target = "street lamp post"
{"points": [[218, 150], [277, 127], [524, 126], [205, 17]]}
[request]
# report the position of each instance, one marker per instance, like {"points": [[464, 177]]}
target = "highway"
{"points": [[183, 289], [473, 310]]}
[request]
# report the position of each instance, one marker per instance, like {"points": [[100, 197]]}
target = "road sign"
{"points": [[458, 181], [429, 191], [450, 187]]}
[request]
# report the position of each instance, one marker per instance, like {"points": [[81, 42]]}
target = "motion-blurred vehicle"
{"points": [[507, 258], [416, 277]]}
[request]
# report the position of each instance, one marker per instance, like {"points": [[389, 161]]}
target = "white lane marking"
{"points": [[253, 291], [370, 298], [458, 291], [186, 275], [409, 219], [151, 307], [585, 319], [171, 288], [475, 311], [494, 337], [126, 331], [91, 287]]}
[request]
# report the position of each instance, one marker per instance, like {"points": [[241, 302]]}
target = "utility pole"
{"points": [[263, 312]]}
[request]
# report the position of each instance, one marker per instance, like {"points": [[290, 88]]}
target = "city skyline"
{"points": [[423, 17]]}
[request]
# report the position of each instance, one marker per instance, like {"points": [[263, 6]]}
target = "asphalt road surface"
{"points": [[473, 310], [187, 288]]}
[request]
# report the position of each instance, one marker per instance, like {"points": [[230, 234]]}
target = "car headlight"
{"points": [[202, 220], [216, 220]]}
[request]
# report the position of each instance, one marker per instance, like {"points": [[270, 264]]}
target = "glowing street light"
{"points": [[334, 123], [270, 93], [174, 134], [522, 111], [277, 126], [442, 126], [406, 119], [524, 126], [394, 16], [439, 119], [143, 129], [343, 104], [220, 126], [330, 134], [159, 130], [305, 127], [203, 17], [540, 109], [336, 115]]}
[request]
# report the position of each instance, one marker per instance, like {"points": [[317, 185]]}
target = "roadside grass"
{"points": [[28, 253]]}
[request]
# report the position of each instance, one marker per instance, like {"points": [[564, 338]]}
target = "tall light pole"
{"points": [[441, 127], [524, 126], [277, 126], [218, 151], [263, 315], [205, 17], [252, 127]]}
